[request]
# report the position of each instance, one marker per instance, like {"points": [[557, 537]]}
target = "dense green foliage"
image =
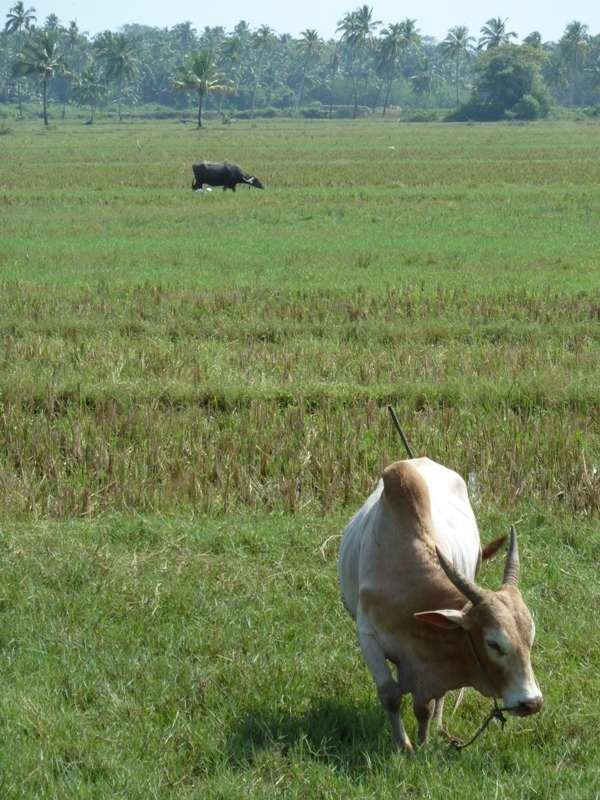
{"points": [[371, 66], [193, 402], [507, 84]]}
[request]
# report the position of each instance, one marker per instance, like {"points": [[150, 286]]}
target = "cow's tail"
{"points": [[400, 431]]}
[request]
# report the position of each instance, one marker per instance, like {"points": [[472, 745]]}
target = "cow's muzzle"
{"points": [[526, 707]]}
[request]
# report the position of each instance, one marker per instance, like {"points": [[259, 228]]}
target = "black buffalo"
{"points": [[222, 173]]}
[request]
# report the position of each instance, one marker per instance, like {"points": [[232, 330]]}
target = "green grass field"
{"points": [[193, 403]]}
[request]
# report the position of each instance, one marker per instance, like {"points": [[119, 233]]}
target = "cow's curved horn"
{"points": [[470, 589], [512, 567]]}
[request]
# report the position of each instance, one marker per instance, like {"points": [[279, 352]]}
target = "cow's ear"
{"points": [[443, 618]]}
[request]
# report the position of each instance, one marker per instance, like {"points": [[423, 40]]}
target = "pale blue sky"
{"points": [[434, 17]]}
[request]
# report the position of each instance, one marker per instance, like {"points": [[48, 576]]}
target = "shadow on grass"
{"points": [[333, 732]]}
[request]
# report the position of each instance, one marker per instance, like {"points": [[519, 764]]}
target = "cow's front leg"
{"points": [[424, 711], [388, 690], [438, 711]]}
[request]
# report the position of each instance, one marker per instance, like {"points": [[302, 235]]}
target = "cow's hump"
{"points": [[406, 490]]}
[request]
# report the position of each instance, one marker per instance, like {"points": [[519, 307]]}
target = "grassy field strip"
{"points": [[154, 657], [471, 239]]}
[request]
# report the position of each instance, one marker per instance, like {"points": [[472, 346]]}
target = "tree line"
{"points": [[369, 66]]}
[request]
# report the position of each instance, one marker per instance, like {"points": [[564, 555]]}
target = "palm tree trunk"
{"points": [[387, 96], [457, 68], [119, 86], [378, 94], [331, 88], [45, 100], [254, 95], [200, 98], [302, 81], [300, 90], [19, 96], [357, 81], [66, 98], [258, 71]]}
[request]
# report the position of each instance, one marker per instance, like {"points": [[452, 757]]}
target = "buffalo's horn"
{"points": [[470, 589], [512, 567]]}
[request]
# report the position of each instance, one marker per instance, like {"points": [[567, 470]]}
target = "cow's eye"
{"points": [[493, 645]]}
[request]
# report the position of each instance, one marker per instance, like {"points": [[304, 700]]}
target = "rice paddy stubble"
{"points": [[161, 400]]}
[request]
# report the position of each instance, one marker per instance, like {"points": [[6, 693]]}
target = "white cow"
{"points": [[407, 564]]}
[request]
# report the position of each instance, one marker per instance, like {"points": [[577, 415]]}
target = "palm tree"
{"points": [[262, 39], [211, 38], [494, 34], [272, 80], [410, 38], [389, 58], [41, 56], [89, 91], [184, 35], [51, 23], [592, 67], [158, 57], [396, 42], [73, 38], [311, 44], [457, 45], [334, 65], [357, 29], [200, 75], [410, 35], [242, 29], [18, 20], [533, 39], [574, 46], [426, 79], [556, 74], [116, 51], [231, 53]]}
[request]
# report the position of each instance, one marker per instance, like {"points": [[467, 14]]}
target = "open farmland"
{"points": [[193, 402]]}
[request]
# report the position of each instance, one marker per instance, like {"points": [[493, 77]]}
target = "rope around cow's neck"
{"points": [[495, 713]]}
